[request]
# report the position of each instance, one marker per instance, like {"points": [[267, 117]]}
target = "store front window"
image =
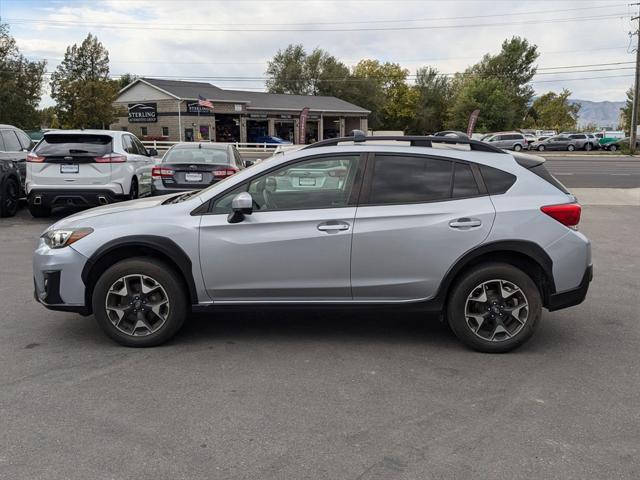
{"points": [[257, 129], [284, 129], [204, 132], [188, 134], [311, 135], [227, 128], [331, 127]]}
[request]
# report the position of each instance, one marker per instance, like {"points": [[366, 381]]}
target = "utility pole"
{"points": [[636, 89]]}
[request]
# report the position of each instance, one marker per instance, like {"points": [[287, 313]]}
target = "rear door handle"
{"points": [[464, 223], [333, 226]]}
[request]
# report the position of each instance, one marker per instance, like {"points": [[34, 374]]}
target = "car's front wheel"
{"points": [[571, 148], [517, 147], [541, 148], [494, 308], [140, 302]]}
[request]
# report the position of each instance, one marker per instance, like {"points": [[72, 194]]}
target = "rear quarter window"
{"points": [[497, 181]]}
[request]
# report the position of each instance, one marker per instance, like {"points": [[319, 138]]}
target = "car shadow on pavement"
{"points": [[288, 324]]}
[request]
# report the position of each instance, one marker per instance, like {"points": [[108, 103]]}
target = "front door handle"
{"points": [[465, 223], [333, 226]]}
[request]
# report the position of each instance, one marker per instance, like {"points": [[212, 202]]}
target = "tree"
{"points": [[625, 112], [20, 84], [81, 87], [555, 111], [48, 118], [318, 73], [383, 89], [125, 79], [433, 97], [503, 77]]}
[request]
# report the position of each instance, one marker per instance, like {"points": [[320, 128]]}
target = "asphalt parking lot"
{"points": [[324, 395]]}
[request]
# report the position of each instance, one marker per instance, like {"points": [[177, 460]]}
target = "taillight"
{"points": [[111, 158], [33, 158], [567, 214], [224, 173], [160, 172]]}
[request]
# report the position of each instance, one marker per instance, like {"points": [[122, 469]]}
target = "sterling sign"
{"points": [[143, 113]]}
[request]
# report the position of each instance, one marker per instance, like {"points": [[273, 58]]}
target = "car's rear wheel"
{"points": [[9, 197], [541, 148], [517, 147], [571, 148], [133, 191], [613, 148], [494, 308], [39, 210], [140, 302], [588, 146]]}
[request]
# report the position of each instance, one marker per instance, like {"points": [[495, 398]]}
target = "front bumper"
{"points": [[573, 297], [57, 278]]}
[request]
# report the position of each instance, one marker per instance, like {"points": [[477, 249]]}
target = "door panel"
{"points": [[402, 252], [278, 255]]}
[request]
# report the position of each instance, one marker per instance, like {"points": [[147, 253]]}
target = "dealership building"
{"points": [[169, 110]]}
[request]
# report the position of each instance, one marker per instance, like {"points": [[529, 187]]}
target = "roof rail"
{"points": [[359, 136]]}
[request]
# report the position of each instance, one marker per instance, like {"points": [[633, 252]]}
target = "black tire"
{"points": [[613, 148], [9, 197], [517, 147], [165, 276], [133, 190], [541, 148], [470, 281], [570, 148], [39, 211], [588, 146]]}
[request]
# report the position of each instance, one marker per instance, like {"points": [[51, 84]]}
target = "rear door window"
{"points": [[401, 179], [11, 143]]}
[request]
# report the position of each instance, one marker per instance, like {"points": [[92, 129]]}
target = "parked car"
{"points": [[86, 168], [482, 236], [192, 166], [620, 143], [531, 138], [583, 141], [14, 146], [270, 139], [509, 141], [558, 142]]}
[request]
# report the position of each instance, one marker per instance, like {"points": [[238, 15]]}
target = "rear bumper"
{"points": [[558, 301], [78, 198]]}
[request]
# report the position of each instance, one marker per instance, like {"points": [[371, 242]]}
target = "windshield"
{"points": [[196, 155]]}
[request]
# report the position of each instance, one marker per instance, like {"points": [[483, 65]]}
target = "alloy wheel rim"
{"points": [[137, 305], [496, 310]]}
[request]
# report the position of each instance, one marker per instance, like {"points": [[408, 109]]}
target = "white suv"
{"points": [[86, 168]]}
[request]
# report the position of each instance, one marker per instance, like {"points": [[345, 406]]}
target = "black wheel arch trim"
{"points": [[163, 245], [523, 247]]}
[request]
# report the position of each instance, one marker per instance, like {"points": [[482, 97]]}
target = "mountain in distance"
{"points": [[602, 114]]}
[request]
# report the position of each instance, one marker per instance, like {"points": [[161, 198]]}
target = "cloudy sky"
{"points": [[229, 42]]}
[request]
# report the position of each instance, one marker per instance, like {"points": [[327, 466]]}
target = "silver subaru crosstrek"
{"points": [[484, 237]]}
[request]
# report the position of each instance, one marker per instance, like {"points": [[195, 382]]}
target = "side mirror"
{"points": [[248, 163], [242, 204], [152, 152]]}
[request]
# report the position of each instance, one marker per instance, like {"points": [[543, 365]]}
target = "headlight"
{"points": [[64, 237]]}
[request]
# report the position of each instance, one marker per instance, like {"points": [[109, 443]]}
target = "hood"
{"points": [[111, 208]]}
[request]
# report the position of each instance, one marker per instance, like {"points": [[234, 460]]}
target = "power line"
{"points": [[120, 26]]}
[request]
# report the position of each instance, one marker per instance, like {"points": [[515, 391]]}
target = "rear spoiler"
{"points": [[527, 161]]}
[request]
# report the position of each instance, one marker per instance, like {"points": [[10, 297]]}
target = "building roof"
{"points": [[186, 90]]}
